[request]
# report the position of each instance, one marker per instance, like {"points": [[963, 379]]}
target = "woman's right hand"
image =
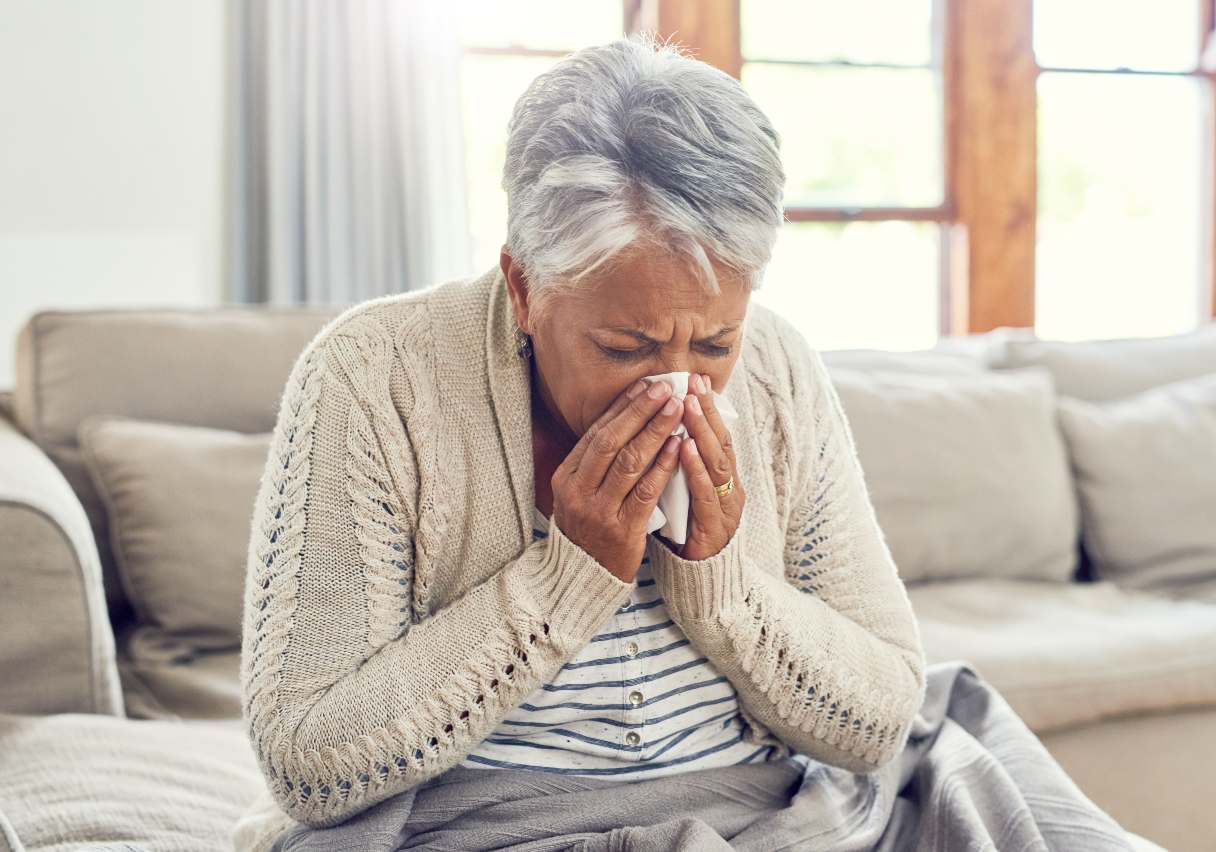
{"points": [[606, 488]]}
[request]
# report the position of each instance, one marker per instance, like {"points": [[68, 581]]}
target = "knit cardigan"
{"points": [[397, 607]]}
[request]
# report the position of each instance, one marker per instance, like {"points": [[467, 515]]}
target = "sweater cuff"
{"points": [[577, 593], [702, 589]]}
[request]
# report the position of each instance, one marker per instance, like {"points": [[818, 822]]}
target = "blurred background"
{"points": [[953, 167]]}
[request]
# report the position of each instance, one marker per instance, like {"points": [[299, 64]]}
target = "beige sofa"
{"points": [[112, 733]]}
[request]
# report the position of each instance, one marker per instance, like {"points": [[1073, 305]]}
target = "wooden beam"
{"points": [[991, 124], [709, 28]]}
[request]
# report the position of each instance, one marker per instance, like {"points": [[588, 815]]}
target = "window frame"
{"points": [[990, 194], [988, 215]]}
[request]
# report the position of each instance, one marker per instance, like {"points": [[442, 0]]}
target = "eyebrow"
{"points": [[644, 338]]}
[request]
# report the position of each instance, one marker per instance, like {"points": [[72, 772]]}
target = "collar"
{"points": [[511, 397]]}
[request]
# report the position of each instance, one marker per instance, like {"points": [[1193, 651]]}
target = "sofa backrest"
{"points": [[226, 367], [1093, 370], [1100, 370], [222, 367]]}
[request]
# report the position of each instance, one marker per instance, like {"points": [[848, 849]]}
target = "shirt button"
{"points": [[635, 698], [632, 738], [632, 649]]}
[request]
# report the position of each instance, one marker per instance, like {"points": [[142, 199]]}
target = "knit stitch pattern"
{"points": [[397, 606]]}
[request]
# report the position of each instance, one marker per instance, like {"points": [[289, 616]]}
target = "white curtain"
{"points": [[347, 156]]}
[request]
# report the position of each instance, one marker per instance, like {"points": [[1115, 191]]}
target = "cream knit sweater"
{"points": [[397, 607]]}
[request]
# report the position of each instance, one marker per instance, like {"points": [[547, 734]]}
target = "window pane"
{"points": [[857, 284], [1119, 240], [854, 136], [1145, 34], [873, 31], [490, 87], [539, 24]]}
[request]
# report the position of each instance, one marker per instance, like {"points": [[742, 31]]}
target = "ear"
{"points": [[517, 289]]}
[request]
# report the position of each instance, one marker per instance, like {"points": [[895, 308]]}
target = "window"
{"points": [[1120, 236], [859, 109], [506, 46], [952, 166]]}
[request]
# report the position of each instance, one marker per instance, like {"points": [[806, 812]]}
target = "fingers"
{"points": [[708, 404], [643, 497], [608, 440], [713, 439], [635, 458], [570, 463], [707, 507]]}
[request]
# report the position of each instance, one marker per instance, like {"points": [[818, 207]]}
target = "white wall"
{"points": [[111, 156]]}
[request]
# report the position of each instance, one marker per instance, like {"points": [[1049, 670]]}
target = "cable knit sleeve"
{"points": [[824, 651], [347, 698]]}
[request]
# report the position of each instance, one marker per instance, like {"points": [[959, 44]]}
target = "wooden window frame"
{"points": [[989, 208], [990, 202]]}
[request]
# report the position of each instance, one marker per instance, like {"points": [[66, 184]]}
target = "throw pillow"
{"points": [[967, 472], [179, 500], [1145, 468]]}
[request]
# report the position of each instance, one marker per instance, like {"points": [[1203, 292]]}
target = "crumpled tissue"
{"points": [[670, 515]]}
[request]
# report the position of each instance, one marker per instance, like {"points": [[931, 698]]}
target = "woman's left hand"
{"points": [[707, 455]]}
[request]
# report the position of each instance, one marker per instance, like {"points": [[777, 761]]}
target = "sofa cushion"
{"points": [[179, 503], [165, 678], [1130, 767], [1069, 653], [967, 471], [73, 780], [917, 361], [982, 346], [1098, 370], [1145, 468], [223, 367]]}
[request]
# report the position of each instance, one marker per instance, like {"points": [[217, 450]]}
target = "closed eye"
{"points": [[711, 349], [623, 354]]}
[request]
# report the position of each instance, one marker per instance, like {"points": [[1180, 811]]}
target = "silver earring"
{"points": [[523, 343]]}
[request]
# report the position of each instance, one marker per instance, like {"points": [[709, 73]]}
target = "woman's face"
{"points": [[647, 315]]}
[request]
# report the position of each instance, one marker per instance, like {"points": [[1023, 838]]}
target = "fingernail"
{"points": [[708, 384], [636, 389], [692, 443], [694, 404], [699, 383], [671, 405], [658, 389], [671, 444]]}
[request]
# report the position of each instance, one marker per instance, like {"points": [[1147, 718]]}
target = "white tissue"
{"points": [[670, 515]]}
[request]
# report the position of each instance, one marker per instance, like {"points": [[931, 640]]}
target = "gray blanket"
{"points": [[972, 776]]}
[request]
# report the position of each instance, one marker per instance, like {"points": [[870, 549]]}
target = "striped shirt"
{"points": [[637, 700]]}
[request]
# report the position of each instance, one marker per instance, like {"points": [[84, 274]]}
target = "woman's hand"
{"points": [[708, 457], [606, 488]]}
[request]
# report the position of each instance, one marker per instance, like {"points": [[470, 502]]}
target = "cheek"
{"points": [[582, 398], [719, 372], [595, 396], [598, 399]]}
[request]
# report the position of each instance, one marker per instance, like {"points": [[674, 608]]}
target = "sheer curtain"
{"points": [[346, 171]]}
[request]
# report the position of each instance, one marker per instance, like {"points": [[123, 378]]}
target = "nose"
{"points": [[678, 362]]}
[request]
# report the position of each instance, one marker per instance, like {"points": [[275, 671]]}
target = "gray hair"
{"points": [[635, 145]]}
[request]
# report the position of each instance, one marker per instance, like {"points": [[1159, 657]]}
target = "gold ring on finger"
{"points": [[726, 487]]}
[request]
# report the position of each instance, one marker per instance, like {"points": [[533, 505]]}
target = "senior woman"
{"points": [[453, 562]]}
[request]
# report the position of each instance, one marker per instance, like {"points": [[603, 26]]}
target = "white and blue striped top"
{"points": [[637, 700]]}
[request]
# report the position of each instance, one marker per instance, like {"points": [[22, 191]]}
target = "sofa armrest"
{"points": [[57, 649]]}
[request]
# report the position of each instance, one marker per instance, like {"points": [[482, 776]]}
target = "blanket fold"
{"points": [[970, 776]]}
